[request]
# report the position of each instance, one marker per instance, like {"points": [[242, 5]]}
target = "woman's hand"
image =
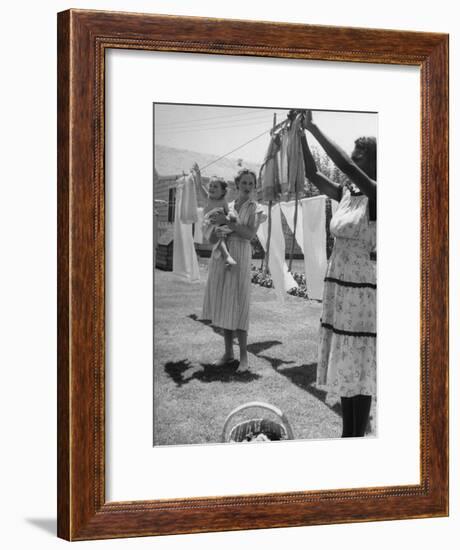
{"points": [[200, 188], [196, 172], [219, 218]]}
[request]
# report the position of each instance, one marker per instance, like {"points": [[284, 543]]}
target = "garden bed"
{"points": [[262, 278]]}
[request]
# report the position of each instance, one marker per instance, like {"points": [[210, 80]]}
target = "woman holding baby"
{"points": [[227, 294]]}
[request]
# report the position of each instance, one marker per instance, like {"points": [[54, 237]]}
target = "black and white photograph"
{"points": [[265, 262], [208, 336]]}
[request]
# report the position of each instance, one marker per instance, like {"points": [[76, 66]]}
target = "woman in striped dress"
{"points": [[347, 342], [227, 295]]}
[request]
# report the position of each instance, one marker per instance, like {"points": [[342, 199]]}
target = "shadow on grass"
{"points": [[304, 377], [179, 372], [255, 348], [176, 370], [225, 373], [206, 322]]}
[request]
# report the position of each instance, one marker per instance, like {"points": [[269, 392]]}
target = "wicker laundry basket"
{"points": [[259, 428]]}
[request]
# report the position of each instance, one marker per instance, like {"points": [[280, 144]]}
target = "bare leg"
{"points": [[222, 247], [228, 355], [243, 344], [228, 337]]}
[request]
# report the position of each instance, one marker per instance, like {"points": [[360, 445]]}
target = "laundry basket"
{"points": [[258, 428]]}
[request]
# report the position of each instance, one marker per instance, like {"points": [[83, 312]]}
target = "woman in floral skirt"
{"points": [[347, 343]]}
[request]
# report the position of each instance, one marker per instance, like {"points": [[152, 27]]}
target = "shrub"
{"points": [[264, 279]]}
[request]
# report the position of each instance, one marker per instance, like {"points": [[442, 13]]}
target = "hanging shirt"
{"points": [[296, 167], [271, 188], [283, 163]]}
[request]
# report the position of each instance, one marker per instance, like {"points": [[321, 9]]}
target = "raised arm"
{"points": [[201, 190], [323, 183], [366, 184]]}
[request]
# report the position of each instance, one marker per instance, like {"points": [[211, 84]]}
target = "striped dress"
{"points": [[227, 294], [348, 334]]}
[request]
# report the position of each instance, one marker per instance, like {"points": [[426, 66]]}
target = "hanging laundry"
{"points": [[198, 233], [334, 205], [295, 162], [283, 163], [155, 228], [288, 209], [314, 244], [269, 172], [282, 279], [185, 261], [188, 210], [156, 215]]}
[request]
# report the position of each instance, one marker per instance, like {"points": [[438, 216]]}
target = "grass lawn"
{"points": [[192, 398]]}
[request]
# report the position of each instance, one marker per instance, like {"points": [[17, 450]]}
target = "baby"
{"points": [[216, 204]]}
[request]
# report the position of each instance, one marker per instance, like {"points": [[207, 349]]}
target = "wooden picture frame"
{"points": [[83, 39]]}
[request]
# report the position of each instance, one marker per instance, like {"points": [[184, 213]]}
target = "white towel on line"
{"points": [[314, 244], [198, 234], [188, 206], [185, 261], [282, 279], [288, 209]]}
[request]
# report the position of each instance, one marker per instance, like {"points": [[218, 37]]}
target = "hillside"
{"points": [[170, 161]]}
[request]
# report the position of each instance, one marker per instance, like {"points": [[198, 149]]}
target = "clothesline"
{"points": [[233, 150], [310, 220], [278, 126]]}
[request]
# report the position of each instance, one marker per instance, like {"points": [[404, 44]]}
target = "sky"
{"points": [[219, 130]]}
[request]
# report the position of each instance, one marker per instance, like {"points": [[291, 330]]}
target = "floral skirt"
{"points": [[348, 335]]}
